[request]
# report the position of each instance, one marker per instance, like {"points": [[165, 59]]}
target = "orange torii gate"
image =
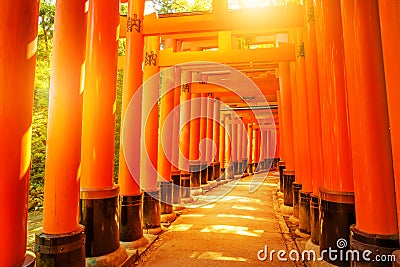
{"points": [[337, 151]]}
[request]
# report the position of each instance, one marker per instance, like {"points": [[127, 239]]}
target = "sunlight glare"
{"points": [[180, 227], [237, 4], [243, 207], [211, 255], [229, 229]]}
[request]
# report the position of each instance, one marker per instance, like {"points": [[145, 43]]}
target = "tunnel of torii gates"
{"points": [[325, 107]]}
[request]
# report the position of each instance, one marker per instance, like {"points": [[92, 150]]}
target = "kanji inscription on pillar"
{"points": [[134, 23]]}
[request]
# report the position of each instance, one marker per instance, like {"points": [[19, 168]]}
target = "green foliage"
{"points": [[201, 6], [121, 47], [120, 78], [38, 147], [123, 9], [41, 92], [179, 6], [45, 44]]}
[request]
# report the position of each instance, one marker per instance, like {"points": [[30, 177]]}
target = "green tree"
{"points": [[179, 6], [45, 43], [41, 91]]}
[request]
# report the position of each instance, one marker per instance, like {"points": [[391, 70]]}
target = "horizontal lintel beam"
{"points": [[288, 16], [283, 53]]}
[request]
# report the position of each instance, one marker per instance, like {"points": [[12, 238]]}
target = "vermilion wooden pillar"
{"points": [[287, 125], [209, 135], [389, 14], [17, 74], [176, 119], [261, 162], [370, 138], [229, 167], [99, 196], [195, 112], [302, 115], [222, 146], [131, 197], [217, 137], [64, 129], [297, 132], [239, 148], [336, 197], [245, 157], [98, 123], [270, 145], [281, 142], [175, 172], [149, 140], [166, 130], [185, 137], [265, 146], [314, 113], [281, 129], [295, 121], [303, 165], [275, 146], [276, 138], [203, 134], [166, 137], [234, 147], [250, 147], [256, 149]]}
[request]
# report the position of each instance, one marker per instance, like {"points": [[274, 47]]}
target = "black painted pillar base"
{"points": [[223, 174], [269, 164], [98, 210], [231, 171], [228, 174], [250, 168], [255, 167], [166, 197], [245, 165], [276, 163], [337, 214], [151, 210], [130, 218], [194, 169], [217, 171], [380, 246], [261, 166], [314, 219], [210, 172], [236, 168], [187, 181], [176, 188], [62, 250], [282, 166], [203, 173], [288, 179], [304, 213], [296, 187]]}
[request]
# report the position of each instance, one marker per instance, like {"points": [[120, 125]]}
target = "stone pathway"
{"points": [[227, 232]]}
